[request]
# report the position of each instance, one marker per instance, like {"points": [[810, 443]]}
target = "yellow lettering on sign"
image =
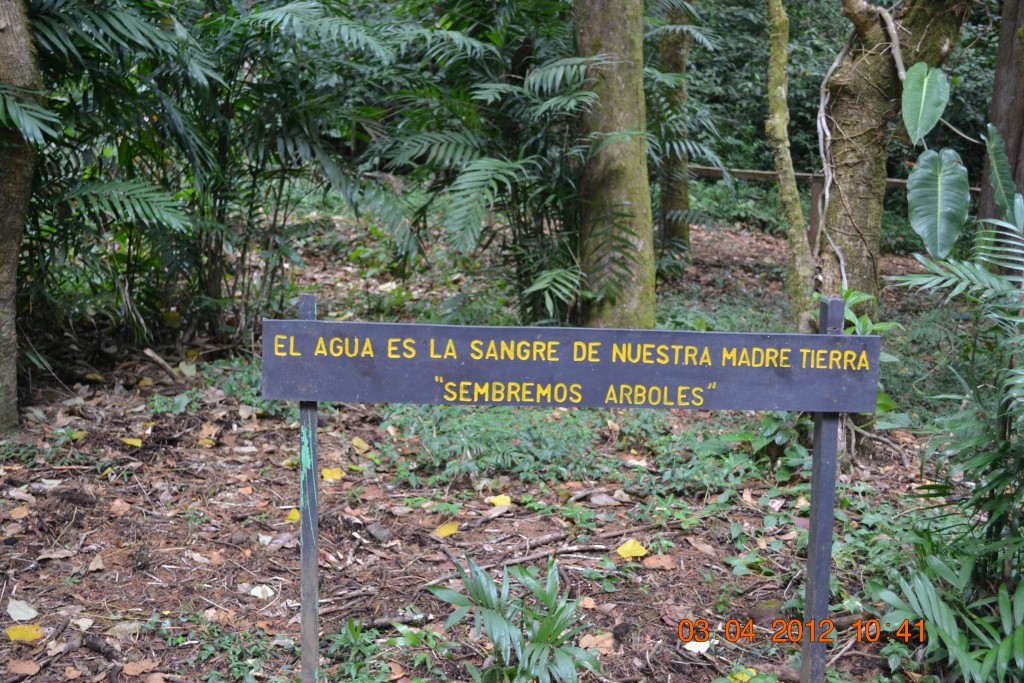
{"points": [[585, 351], [834, 359], [407, 350], [512, 392], [509, 349], [279, 345], [449, 350], [642, 395]]}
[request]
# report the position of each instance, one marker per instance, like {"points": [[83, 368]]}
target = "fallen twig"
{"points": [[164, 365], [593, 548]]}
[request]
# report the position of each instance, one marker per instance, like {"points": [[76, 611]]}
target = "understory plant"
{"points": [[532, 630], [971, 620]]}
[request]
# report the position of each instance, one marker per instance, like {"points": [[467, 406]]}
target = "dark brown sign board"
{"points": [[355, 362], [309, 361]]}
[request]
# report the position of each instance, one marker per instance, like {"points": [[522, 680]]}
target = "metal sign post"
{"points": [[309, 523], [819, 544]]}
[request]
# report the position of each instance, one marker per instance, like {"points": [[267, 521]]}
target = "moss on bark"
{"points": [[617, 238], [865, 92], [800, 275], [18, 68]]}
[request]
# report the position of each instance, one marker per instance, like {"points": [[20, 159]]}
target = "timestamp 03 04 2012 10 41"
{"points": [[793, 631]]}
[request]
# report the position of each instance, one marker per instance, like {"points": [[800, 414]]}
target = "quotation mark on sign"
{"points": [[439, 379], [712, 385]]}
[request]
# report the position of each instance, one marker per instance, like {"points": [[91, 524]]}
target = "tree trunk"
{"points": [[800, 275], [674, 54], [863, 95], [1007, 111], [18, 68], [616, 234]]}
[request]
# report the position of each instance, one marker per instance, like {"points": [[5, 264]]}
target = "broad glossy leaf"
{"points": [[1000, 176], [925, 94], [938, 195]]}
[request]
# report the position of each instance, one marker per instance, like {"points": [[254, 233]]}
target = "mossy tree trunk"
{"points": [[800, 275], [616, 232], [1007, 111], [18, 68], [674, 191], [864, 93]]}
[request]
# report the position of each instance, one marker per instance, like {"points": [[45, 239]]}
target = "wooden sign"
{"points": [[309, 361], [354, 362]]}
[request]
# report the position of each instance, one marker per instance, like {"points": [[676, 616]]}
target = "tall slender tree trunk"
{"points": [[18, 68], [800, 275], [674, 191], [616, 233], [863, 95], [1007, 111]]}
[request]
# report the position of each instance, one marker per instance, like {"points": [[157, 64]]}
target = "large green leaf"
{"points": [[1000, 176], [925, 94], [938, 195]]}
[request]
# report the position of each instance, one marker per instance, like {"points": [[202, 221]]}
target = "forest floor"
{"points": [[147, 526]]}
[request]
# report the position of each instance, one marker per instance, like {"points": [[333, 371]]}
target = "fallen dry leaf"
{"points": [[498, 501], [57, 554], [588, 603], [23, 666], [140, 667], [20, 512], [705, 548], [631, 549], [119, 507], [132, 441], [603, 500], [24, 633], [666, 562], [331, 473], [602, 642], [446, 529], [397, 671], [71, 673], [97, 564], [360, 445], [293, 515], [155, 678], [21, 610]]}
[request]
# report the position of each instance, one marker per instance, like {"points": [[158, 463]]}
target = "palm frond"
{"points": [[18, 110], [698, 35], [129, 201], [444, 149], [477, 189], [568, 72]]}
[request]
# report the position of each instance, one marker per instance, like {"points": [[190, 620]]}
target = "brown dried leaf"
{"points": [[397, 671], [705, 548], [138, 668], [119, 507], [602, 642], [666, 562], [23, 666], [20, 512], [71, 673]]}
